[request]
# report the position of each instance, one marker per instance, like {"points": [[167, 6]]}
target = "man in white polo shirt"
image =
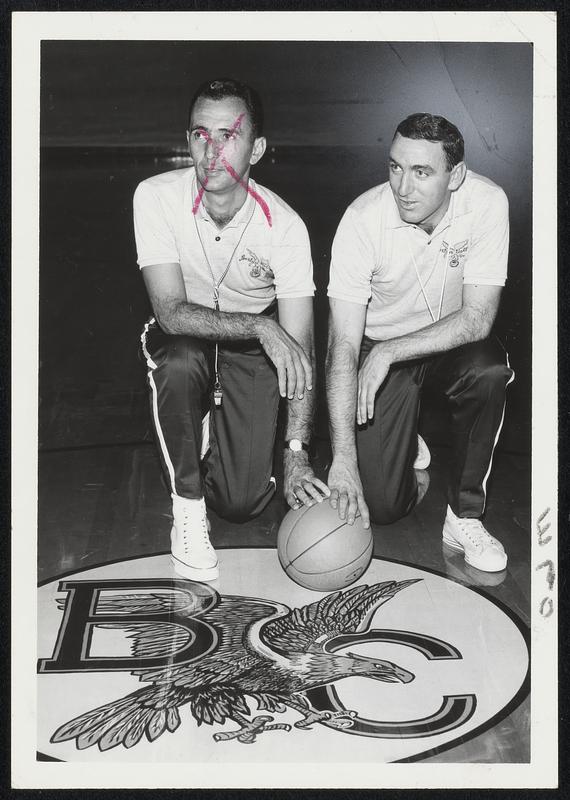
{"points": [[227, 266], [418, 266]]}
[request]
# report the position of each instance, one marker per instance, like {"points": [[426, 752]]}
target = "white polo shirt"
{"points": [[373, 256], [266, 241]]}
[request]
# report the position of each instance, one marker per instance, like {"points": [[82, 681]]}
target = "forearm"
{"points": [[341, 378], [300, 485], [300, 411], [461, 327], [190, 319]]}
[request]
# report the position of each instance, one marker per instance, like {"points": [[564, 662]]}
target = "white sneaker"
{"points": [[192, 553], [481, 550], [456, 567], [423, 457]]}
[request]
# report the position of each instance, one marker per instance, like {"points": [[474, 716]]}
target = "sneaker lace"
{"points": [[187, 523], [474, 530]]}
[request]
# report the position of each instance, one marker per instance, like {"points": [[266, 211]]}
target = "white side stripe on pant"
{"points": [[511, 379], [205, 422], [151, 367]]}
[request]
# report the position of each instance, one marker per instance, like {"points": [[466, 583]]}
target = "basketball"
{"points": [[320, 551]]}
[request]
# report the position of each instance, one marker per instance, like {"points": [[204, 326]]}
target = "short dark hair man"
{"points": [[223, 259], [417, 270]]}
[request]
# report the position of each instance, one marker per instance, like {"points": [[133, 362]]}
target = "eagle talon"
{"points": [[249, 731], [340, 719], [334, 719]]}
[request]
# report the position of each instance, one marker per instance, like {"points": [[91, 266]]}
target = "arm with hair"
{"points": [[158, 255], [300, 483], [346, 328], [485, 272], [177, 316], [471, 323]]}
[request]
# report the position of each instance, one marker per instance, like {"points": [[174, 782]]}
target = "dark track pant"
{"points": [[473, 379], [234, 475]]}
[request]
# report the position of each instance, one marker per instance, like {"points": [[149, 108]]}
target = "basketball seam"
{"points": [[336, 569], [317, 542]]}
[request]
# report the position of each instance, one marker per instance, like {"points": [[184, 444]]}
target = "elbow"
{"points": [[165, 323], [479, 325], [167, 316], [486, 328], [486, 322]]}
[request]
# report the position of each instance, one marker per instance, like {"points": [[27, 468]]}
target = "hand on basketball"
{"points": [[294, 371], [346, 491], [371, 376], [301, 486]]}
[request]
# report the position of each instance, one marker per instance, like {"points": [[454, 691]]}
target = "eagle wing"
{"points": [[207, 681], [303, 629], [225, 624]]}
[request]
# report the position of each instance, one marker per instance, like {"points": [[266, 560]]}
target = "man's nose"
{"points": [[406, 185], [212, 148]]}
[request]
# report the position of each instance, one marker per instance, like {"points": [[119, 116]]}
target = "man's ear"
{"points": [[259, 146], [457, 176]]}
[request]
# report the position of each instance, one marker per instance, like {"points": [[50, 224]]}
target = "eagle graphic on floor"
{"points": [[264, 652]]}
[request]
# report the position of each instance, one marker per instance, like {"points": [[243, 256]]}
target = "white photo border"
{"points": [[28, 30]]}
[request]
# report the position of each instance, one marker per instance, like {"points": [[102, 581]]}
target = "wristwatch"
{"points": [[296, 445]]}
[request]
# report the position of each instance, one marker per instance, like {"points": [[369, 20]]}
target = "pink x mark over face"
{"points": [[223, 148]]}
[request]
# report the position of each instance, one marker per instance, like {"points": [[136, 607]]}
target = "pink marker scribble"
{"points": [[247, 187], [228, 167], [199, 196]]}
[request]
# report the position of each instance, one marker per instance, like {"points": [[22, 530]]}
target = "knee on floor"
{"points": [[385, 510], [235, 510]]}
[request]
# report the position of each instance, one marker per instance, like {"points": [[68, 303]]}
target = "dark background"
{"points": [[114, 113]]}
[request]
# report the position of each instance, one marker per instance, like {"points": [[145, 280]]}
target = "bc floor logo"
{"points": [[391, 669]]}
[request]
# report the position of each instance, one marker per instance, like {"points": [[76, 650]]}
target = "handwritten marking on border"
{"points": [[546, 607], [543, 528], [549, 605], [550, 575]]}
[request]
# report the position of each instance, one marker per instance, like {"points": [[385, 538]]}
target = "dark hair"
{"points": [[435, 129], [226, 87]]}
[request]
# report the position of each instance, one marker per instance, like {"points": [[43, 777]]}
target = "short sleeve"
{"points": [[487, 258], [155, 240], [291, 261], [353, 260]]}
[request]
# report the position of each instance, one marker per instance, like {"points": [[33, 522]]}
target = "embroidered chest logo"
{"points": [[457, 253], [259, 266]]}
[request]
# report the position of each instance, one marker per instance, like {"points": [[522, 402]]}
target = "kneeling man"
{"points": [[227, 267], [418, 266]]}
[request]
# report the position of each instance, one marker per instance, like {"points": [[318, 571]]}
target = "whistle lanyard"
{"points": [[216, 285], [443, 281]]}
